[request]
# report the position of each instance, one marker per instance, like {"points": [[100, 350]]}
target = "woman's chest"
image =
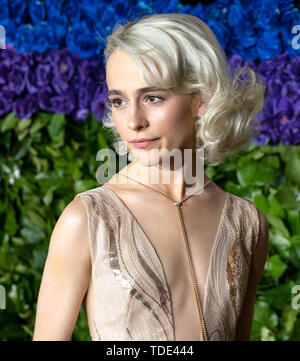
{"points": [[181, 242]]}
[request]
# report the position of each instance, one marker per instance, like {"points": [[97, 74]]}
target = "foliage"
{"points": [[46, 160]]}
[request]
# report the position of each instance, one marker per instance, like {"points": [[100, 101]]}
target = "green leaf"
{"points": [[267, 334], [281, 243], [295, 336], [277, 296], [41, 120], [270, 161], [48, 197], [34, 218], [11, 224], [56, 125], [260, 201], [23, 124], [246, 174], [288, 320], [102, 142], [33, 234], [275, 207], [293, 219], [263, 316], [292, 170], [84, 184], [39, 258], [9, 122], [258, 155], [294, 251], [288, 198], [22, 148], [278, 225], [210, 171], [275, 266]]}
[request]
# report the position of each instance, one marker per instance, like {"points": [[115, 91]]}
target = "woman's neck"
{"points": [[175, 179]]}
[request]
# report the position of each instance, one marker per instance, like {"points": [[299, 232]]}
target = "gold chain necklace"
{"points": [[204, 332]]}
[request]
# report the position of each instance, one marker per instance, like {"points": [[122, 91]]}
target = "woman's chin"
{"points": [[147, 158]]}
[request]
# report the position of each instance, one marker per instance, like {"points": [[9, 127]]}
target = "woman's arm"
{"points": [[244, 325], [66, 276]]}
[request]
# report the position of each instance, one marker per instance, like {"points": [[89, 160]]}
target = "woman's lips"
{"points": [[144, 144]]}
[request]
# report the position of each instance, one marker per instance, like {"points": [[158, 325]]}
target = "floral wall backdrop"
{"points": [[52, 95]]}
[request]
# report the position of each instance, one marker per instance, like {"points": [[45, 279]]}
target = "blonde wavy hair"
{"points": [[190, 59]]}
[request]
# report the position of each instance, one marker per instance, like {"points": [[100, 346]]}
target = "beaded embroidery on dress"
{"points": [[131, 296]]}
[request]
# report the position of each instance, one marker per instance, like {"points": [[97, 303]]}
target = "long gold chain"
{"points": [[178, 205]]}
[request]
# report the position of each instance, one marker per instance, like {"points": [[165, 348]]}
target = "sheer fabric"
{"points": [[129, 297]]}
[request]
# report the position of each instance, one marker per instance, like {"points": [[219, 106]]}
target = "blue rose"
{"points": [[221, 32], [59, 26], [266, 14], [288, 20], [70, 11], [4, 13], [37, 11], [218, 10], [43, 37], [23, 38], [10, 30], [269, 45], [236, 15], [56, 7], [18, 10], [82, 41]]}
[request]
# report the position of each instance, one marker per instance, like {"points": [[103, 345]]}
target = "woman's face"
{"points": [[139, 113]]}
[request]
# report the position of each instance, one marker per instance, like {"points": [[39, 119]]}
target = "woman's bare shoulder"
{"points": [[70, 233], [66, 275]]}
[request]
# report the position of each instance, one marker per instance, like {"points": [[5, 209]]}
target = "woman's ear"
{"points": [[198, 104]]}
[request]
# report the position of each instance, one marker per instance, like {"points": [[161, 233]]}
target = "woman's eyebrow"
{"points": [[139, 91]]}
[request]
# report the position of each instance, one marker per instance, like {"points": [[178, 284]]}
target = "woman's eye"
{"points": [[114, 102], [152, 97]]}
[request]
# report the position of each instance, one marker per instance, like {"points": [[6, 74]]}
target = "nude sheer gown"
{"points": [[129, 297]]}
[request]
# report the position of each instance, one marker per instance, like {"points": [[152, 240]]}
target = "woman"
{"points": [[164, 260]]}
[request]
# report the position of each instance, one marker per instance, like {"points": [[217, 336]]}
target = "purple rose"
{"points": [[25, 107], [43, 75], [235, 62], [80, 115], [97, 104], [63, 70], [291, 90], [266, 69], [6, 100], [293, 67], [63, 103], [3, 73], [16, 81], [274, 87], [31, 82], [43, 58]]}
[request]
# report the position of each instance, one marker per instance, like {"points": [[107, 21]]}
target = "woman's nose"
{"points": [[137, 118]]}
